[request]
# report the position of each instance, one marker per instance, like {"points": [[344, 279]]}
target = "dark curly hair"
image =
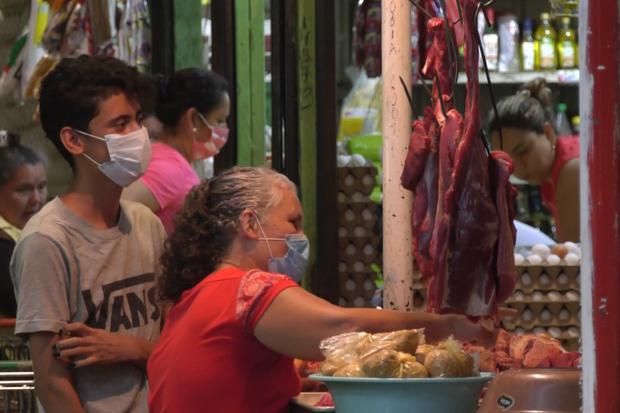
{"points": [[209, 223], [72, 91], [188, 88]]}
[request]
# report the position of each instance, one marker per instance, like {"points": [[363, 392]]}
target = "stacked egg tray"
{"points": [[548, 301], [359, 237]]}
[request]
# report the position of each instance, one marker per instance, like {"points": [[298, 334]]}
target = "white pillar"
{"points": [[397, 202]]}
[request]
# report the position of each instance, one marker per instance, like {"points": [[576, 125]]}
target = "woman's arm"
{"points": [[567, 199], [54, 386], [138, 192], [297, 321]]}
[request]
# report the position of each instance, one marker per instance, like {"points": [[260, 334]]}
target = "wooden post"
{"points": [[250, 81], [306, 90], [397, 202], [600, 204]]}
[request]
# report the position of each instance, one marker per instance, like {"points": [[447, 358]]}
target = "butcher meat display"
{"points": [[462, 217], [526, 351]]}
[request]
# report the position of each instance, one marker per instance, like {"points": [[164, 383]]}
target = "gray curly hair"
{"points": [[209, 222]]}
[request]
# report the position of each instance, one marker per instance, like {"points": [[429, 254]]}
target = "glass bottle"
{"points": [[545, 44], [528, 52], [567, 46], [490, 41]]}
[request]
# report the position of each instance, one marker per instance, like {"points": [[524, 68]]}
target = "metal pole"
{"points": [[600, 203], [397, 202]]}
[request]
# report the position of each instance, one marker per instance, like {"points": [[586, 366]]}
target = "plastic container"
{"points": [[533, 390], [372, 395]]}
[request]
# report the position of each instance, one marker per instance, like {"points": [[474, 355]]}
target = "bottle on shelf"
{"points": [[576, 122], [490, 42], [567, 46], [545, 44], [562, 124], [528, 53], [508, 32]]}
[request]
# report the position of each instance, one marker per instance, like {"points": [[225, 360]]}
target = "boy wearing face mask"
{"points": [[84, 269], [192, 106]]}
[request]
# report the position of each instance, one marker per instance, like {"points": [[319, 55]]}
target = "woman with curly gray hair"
{"points": [[238, 316]]}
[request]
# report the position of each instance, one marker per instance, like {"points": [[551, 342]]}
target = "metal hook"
{"points": [[408, 94], [488, 76], [422, 9], [443, 108]]}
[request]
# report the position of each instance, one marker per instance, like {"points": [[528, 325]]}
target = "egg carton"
{"points": [[354, 266], [567, 253], [561, 333], [360, 179], [353, 250], [553, 297], [356, 301], [548, 278], [356, 214], [357, 284], [358, 231]]}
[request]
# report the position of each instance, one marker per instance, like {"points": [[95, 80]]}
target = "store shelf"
{"points": [[563, 77]]}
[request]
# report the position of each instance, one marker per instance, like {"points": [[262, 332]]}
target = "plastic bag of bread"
{"points": [[342, 350], [350, 370], [449, 360], [372, 355], [406, 341], [422, 351], [392, 364]]}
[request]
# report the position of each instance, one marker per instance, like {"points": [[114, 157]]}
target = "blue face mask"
{"points": [[295, 261]]}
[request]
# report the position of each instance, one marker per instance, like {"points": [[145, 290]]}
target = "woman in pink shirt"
{"points": [[192, 106]]}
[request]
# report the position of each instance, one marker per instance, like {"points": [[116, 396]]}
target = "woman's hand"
{"points": [[81, 346]]}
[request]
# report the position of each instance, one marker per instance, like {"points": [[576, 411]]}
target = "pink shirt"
{"points": [[169, 177]]}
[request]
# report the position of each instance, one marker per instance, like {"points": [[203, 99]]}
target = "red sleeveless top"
{"points": [[566, 149]]}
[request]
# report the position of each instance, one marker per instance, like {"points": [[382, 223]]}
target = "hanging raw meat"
{"points": [[462, 214]]}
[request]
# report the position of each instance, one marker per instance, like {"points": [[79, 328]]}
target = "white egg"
{"points": [[572, 296], [571, 258], [534, 259], [526, 279], [343, 160], [563, 279], [544, 279], [545, 315], [357, 160], [564, 315], [538, 296], [519, 259], [554, 296], [542, 250], [553, 259], [518, 296], [572, 247], [573, 332], [539, 330], [527, 315], [555, 332]]}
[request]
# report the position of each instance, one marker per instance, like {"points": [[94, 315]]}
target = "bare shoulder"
{"points": [[569, 176]]}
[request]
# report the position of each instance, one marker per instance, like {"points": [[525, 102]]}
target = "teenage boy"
{"points": [[84, 269]]}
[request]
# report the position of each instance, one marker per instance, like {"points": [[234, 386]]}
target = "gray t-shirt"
{"points": [[66, 271]]}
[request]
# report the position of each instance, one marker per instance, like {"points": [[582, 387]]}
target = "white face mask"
{"points": [[129, 156]]}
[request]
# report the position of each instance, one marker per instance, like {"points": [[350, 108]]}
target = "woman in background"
{"points": [[540, 156], [23, 191], [192, 106]]}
